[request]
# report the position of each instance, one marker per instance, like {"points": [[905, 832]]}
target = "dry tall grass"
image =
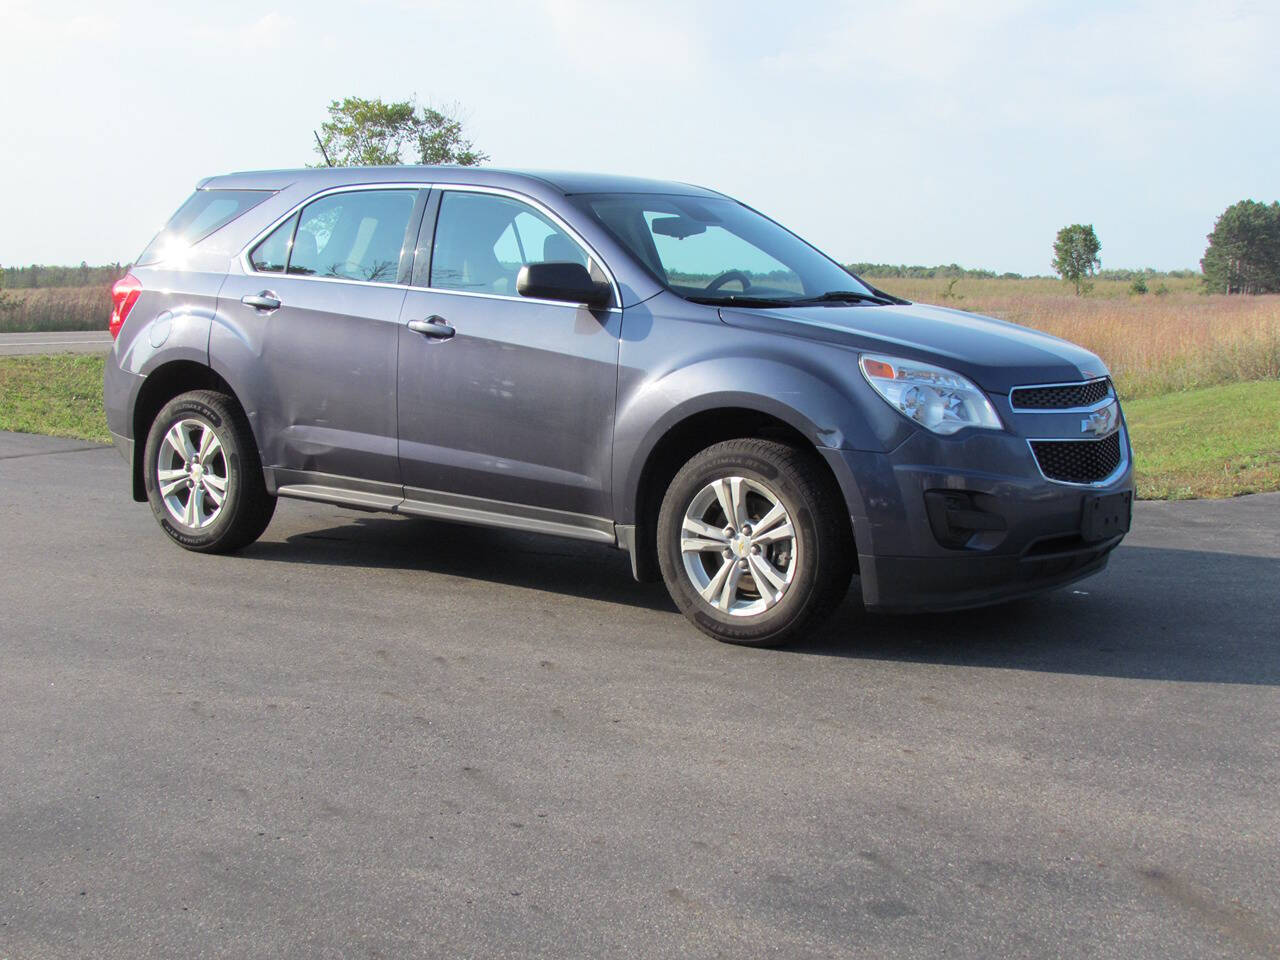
{"points": [[55, 308], [1152, 344]]}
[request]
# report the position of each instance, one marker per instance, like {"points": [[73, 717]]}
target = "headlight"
{"points": [[935, 398]]}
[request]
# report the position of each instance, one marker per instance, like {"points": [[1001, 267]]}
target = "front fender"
{"points": [[822, 407]]}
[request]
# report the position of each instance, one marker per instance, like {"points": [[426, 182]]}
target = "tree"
{"points": [[1075, 255], [362, 133], [7, 303], [1243, 255]]}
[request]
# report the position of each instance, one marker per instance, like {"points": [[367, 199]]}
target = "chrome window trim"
{"points": [[1105, 481], [247, 265], [1109, 398], [508, 297]]}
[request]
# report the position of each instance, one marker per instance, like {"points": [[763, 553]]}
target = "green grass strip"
{"points": [[1213, 442]]}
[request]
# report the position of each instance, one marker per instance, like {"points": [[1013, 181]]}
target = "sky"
{"points": [[913, 131]]}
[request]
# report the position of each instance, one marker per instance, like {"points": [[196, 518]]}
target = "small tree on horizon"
{"points": [[362, 133], [1075, 255]]}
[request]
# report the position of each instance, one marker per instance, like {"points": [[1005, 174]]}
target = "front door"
{"points": [[512, 414]]}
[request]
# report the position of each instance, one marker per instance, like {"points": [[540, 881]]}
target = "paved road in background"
{"points": [[80, 341], [378, 736]]}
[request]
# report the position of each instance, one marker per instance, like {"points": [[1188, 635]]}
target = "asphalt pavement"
{"points": [[375, 736], [79, 341]]}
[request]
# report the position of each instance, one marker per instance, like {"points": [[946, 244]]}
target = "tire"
{"points": [[808, 571], [183, 486]]}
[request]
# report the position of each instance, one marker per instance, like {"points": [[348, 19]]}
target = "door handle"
{"points": [[432, 327], [266, 300]]}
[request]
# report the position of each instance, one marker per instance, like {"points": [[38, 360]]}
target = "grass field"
{"points": [[54, 308], [1211, 442], [1152, 344], [57, 395]]}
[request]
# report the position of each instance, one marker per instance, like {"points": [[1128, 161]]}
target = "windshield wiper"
{"points": [[737, 300], [843, 296]]}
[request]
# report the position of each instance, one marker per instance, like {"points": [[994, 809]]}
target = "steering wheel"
{"points": [[727, 276]]}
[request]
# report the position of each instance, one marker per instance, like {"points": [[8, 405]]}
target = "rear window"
{"points": [[204, 212]]}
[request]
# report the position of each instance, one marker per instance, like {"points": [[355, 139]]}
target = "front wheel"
{"points": [[203, 474], [754, 542]]}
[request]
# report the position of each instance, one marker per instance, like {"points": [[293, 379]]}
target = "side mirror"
{"points": [[562, 281]]}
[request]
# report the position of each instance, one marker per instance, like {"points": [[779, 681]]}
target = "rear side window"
{"points": [[356, 235], [204, 212]]}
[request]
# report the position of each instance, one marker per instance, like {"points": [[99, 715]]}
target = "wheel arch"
{"points": [[161, 385], [678, 441]]}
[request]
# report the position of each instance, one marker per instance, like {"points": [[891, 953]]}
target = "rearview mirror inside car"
{"points": [[678, 227]]}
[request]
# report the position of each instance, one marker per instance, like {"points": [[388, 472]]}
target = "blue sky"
{"points": [[919, 132]]}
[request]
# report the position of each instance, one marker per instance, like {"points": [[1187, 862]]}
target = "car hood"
{"points": [[995, 354]]}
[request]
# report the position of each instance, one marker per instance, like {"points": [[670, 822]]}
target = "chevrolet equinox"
{"points": [[650, 365]]}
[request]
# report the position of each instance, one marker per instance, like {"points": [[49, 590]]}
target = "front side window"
{"points": [[355, 235], [716, 250], [482, 240]]}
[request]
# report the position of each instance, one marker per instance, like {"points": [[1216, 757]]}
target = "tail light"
{"points": [[123, 296]]}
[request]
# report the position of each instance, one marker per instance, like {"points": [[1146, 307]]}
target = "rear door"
{"points": [[324, 299], [511, 415]]}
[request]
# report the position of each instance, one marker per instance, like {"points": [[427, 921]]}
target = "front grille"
{"points": [[1078, 461], [1061, 397]]}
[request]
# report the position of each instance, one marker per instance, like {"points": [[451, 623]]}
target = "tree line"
{"points": [[1243, 255], [49, 275], [952, 270]]}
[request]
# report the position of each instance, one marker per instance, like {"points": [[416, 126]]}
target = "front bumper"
{"points": [[903, 563]]}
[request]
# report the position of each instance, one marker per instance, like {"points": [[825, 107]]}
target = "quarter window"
{"points": [[203, 213], [356, 235], [482, 240], [272, 254]]}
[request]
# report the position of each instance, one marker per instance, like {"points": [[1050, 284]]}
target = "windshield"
{"points": [[715, 250]]}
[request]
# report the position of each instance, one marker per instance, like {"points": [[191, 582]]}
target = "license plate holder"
{"points": [[1106, 515]]}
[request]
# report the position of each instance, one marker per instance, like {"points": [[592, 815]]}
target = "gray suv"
{"points": [[650, 365]]}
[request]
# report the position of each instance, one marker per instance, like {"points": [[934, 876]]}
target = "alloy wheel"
{"points": [[192, 473], [739, 546]]}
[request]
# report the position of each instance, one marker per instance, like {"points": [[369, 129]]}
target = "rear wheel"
{"points": [[204, 476], [754, 542]]}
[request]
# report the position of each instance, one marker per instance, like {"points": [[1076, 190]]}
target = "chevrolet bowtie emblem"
{"points": [[1101, 422]]}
